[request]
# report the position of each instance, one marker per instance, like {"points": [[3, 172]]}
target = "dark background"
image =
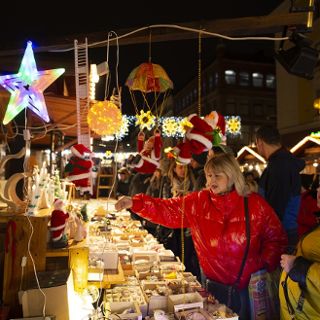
{"points": [[49, 23]]}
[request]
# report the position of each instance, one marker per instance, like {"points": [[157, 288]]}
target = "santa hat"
{"points": [[221, 124], [57, 222], [201, 133], [79, 150], [57, 203], [217, 122], [182, 153]]}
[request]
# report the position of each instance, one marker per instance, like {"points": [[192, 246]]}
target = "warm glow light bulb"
{"points": [[104, 118]]}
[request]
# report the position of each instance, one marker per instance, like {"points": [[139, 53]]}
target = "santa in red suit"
{"points": [[78, 169], [147, 161], [206, 132], [58, 225], [201, 136]]}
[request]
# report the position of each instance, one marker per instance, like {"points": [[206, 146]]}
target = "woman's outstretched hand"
{"points": [[123, 203]]}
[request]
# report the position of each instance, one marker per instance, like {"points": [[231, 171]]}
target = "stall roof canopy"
{"points": [[63, 119], [307, 143], [247, 153]]}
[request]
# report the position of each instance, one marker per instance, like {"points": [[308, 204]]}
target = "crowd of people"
{"points": [[235, 224]]}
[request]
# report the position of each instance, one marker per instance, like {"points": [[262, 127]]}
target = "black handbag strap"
{"points": [[246, 208]]}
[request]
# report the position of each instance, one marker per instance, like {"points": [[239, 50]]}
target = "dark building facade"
{"points": [[233, 87]]}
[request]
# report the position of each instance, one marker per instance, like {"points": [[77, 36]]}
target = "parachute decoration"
{"points": [[149, 86]]}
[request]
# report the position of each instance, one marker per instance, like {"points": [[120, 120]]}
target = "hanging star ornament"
{"points": [[27, 86]]}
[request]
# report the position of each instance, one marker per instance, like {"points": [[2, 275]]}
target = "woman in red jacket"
{"points": [[216, 217]]}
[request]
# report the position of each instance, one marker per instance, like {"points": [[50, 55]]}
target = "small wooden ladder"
{"points": [[105, 181]]}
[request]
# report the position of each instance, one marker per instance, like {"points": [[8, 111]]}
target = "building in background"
{"points": [[234, 86]]}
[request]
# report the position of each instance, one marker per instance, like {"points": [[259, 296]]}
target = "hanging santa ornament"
{"points": [[27, 86], [104, 118]]}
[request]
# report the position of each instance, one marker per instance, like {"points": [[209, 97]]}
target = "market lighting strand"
{"points": [[34, 268], [199, 75], [175, 26], [233, 125]]}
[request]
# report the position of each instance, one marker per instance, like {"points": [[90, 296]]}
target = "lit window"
{"points": [[244, 79], [230, 76], [257, 79], [270, 81]]}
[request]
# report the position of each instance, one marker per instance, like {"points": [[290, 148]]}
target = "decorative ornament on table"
{"points": [[78, 169], [81, 232], [147, 161], [58, 224], [27, 86], [9, 194], [84, 213]]}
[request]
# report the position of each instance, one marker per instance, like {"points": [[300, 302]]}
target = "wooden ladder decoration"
{"points": [[82, 91]]}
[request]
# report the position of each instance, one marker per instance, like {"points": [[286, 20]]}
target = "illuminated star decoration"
{"points": [[27, 86], [145, 120], [233, 125]]}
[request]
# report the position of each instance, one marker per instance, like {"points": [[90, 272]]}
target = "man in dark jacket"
{"points": [[280, 182]]}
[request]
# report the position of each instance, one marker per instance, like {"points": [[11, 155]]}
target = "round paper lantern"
{"points": [[104, 118]]}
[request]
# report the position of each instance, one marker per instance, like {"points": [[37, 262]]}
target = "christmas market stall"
{"points": [[309, 149]]}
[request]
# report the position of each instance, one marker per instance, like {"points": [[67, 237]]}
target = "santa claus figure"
{"points": [[181, 152], [58, 224], [78, 169], [217, 122], [206, 132], [149, 155], [201, 136]]}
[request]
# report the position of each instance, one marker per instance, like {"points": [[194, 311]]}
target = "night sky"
{"points": [[52, 20]]}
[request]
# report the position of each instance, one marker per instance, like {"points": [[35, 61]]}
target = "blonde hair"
{"points": [[227, 164]]}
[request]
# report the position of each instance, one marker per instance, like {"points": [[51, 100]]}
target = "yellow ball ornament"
{"points": [[104, 118]]}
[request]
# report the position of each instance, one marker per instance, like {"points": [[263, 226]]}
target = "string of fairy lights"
{"points": [[171, 127]]}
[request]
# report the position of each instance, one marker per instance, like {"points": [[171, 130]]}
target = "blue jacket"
{"points": [[280, 185]]}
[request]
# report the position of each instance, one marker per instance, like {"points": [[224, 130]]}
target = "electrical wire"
{"points": [[175, 26], [34, 267]]}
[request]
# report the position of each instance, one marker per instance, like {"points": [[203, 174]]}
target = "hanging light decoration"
{"points": [[27, 86], [124, 128], [146, 120], [233, 125], [184, 125], [104, 118], [171, 126]]}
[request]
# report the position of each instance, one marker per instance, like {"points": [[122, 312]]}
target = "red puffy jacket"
{"points": [[218, 230]]}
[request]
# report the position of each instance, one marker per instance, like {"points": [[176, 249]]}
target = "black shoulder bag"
{"points": [[229, 294]]}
